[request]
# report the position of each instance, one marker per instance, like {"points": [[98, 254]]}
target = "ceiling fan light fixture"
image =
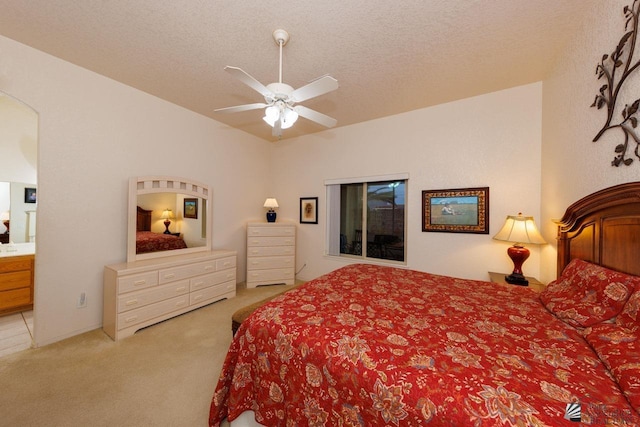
{"points": [[274, 112], [289, 117], [271, 115]]}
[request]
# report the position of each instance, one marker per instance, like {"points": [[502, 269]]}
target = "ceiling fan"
{"points": [[281, 111]]}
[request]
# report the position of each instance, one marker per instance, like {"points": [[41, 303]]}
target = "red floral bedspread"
{"points": [[146, 241], [369, 345]]}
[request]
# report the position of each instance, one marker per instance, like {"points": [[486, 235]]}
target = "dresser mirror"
{"points": [[167, 216]]}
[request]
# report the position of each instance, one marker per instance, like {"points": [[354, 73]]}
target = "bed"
{"points": [[147, 241], [375, 345]]}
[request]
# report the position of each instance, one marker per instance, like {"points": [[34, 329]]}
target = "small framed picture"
{"points": [[464, 210], [30, 195], [308, 210], [191, 208]]}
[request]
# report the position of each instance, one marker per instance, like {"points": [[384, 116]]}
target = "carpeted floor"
{"points": [[164, 375]]}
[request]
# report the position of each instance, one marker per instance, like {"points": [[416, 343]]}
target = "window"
{"points": [[367, 219]]}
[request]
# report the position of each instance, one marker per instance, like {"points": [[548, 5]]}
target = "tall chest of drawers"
{"points": [[142, 293], [271, 253]]}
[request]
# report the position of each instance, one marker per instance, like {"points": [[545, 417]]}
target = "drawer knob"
{"points": [[208, 267], [131, 302], [180, 289], [139, 282], [170, 276], [131, 319]]}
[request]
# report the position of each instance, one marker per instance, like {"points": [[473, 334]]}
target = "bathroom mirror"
{"points": [[17, 212], [167, 216], [19, 142]]}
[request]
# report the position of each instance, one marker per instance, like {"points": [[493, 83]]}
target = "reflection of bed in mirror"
{"points": [[155, 194], [148, 241]]}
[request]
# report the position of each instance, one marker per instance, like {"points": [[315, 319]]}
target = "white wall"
{"points": [[491, 140], [573, 166], [94, 134]]}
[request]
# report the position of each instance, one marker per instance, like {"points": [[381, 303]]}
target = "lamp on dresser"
{"points": [[520, 230], [167, 215], [271, 203]]}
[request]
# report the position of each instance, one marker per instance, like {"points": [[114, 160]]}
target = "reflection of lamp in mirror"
{"points": [[4, 217], [519, 229], [271, 204], [167, 215]]}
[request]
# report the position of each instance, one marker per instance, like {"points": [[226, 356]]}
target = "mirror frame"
{"points": [[165, 184]]}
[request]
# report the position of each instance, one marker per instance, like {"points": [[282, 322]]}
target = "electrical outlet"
{"points": [[82, 300]]}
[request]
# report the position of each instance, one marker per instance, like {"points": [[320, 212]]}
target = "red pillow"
{"points": [[629, 317], [586, 293]]}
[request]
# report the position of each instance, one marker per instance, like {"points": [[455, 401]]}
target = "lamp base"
{"points": [[167, 224], [271, 216], [516, 279]]}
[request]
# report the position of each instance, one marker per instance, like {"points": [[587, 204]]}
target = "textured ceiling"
{"points": [[388, 57]]}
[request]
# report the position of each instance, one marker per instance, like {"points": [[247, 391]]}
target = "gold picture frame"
{"points": [[461, 210]]}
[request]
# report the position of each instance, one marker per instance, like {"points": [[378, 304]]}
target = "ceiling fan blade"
{"points": [[239, 108], [247, 79], [319, 87], [315, 116]]}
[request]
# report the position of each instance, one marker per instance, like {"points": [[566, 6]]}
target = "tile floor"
{"points": [[16, 332]]}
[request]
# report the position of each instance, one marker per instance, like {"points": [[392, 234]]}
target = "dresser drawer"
{"points": [[149, 296], [15, 280], [224, 263], [271, 250], [137, 281], [178, 273], [15, 298], [149, 312], [213, 292], [212, 279], [271, 231], [270, 275], [260, 263], [271, 241], [15, 264]]}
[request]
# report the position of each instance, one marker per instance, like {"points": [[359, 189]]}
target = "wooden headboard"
{"points": [[143, 222], [603, 228]]}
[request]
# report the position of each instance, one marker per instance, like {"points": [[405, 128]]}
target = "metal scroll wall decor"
{"points": [[616, 69]]}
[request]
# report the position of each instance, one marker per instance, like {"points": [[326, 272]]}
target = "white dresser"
{"points": [[271, 253], [142, 293]]}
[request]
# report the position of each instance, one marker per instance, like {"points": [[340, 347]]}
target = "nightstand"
{"points": [[534, 284]]}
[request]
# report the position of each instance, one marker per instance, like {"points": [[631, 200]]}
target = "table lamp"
{"points": [[271, 204], [520, 230], [167, 215]]}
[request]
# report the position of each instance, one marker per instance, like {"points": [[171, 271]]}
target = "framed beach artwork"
{"points": [[463, 210]]}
